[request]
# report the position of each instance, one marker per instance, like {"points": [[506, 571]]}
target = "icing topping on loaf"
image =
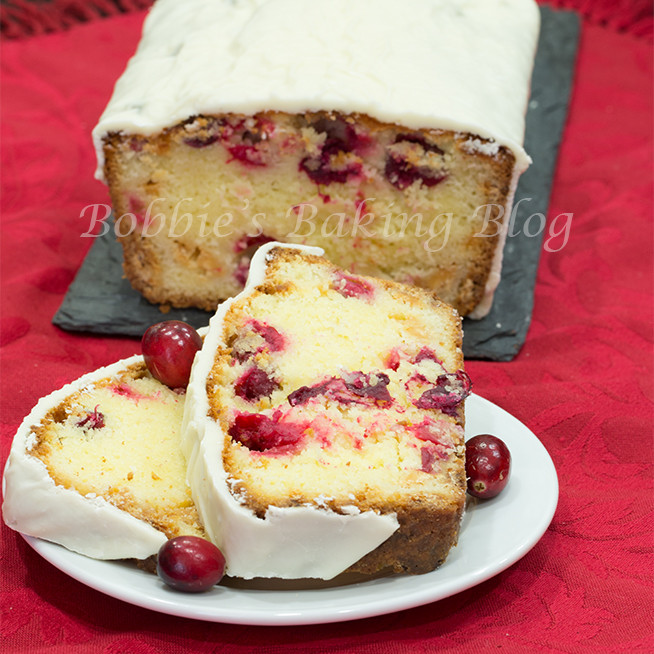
{"points": [[460, 65]]}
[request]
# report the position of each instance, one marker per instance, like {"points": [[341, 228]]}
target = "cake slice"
{"points": [[389, 134], [97, 466], [324, 423]]}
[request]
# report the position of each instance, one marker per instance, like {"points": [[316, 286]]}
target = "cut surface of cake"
{"points": [[324, 423], [389, 134], [97, 466]]}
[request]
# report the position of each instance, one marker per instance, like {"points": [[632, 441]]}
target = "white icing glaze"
{"points": [[34, 505], [288, 543], [463, 65]]}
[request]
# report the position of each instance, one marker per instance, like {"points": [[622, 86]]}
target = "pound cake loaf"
{"points": [[97, 466], [389, 134], [324, 423]]}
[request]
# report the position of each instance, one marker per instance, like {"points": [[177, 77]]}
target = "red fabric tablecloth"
{"points": [[582, 383]]}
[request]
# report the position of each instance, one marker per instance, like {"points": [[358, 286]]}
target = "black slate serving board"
{"points": [[101, 301]]}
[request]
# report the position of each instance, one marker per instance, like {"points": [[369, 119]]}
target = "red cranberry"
{"points": [[338, 132], [420, 140], [275, 341], [303, 394], [349, 286], [427, 354], [427, 458], [93, 420], [259, 432], [168, 350], [341, 137], [402, 174], [190, 564], [321, 170], [354, 387], [246, 154], [488, 465], [372, 385], [212, 132], [254, 384], [201, 142], [450, 390], [393, 359]]}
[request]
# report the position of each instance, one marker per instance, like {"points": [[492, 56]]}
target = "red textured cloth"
{"points": [[582, 382]]}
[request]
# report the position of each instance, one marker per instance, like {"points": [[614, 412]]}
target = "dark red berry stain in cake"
{"points": [[136, 208], [431, 431], [202, 141], [254, 384], [393, 359], [396, 356], [402, 174], [93, 420], [349, 286], [353, 387], [214, 130], [260, 433], [248, 155], [448, 392], [273, 341], [427, 458], [273, 338], [341, 138], [427, 354], [127, 391]]}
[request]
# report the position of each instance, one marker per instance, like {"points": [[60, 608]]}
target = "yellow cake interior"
{"points": [[354, 451], [118, 438]]}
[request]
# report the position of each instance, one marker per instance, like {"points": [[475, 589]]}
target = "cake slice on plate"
{"points": [[324, 423], [97, 467]]}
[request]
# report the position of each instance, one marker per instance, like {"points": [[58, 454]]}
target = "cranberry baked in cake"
{"points": [[389, 134], [324, 423], [97, 466]]}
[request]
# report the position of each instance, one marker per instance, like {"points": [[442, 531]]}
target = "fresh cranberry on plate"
{"points": [[190, 564], [488, 465]]}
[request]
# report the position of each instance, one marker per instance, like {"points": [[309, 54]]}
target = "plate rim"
{"points": [[168, 602]]}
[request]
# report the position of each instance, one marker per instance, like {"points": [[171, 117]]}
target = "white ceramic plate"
{"points": [[494, 534]]}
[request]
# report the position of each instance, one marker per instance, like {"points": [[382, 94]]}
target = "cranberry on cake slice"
{"points": [[351, 387], [450, 390], [337, 160], [93, 420], [260, 432], [256, 337], [254, 384], [412, 158], [351, 286]]}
